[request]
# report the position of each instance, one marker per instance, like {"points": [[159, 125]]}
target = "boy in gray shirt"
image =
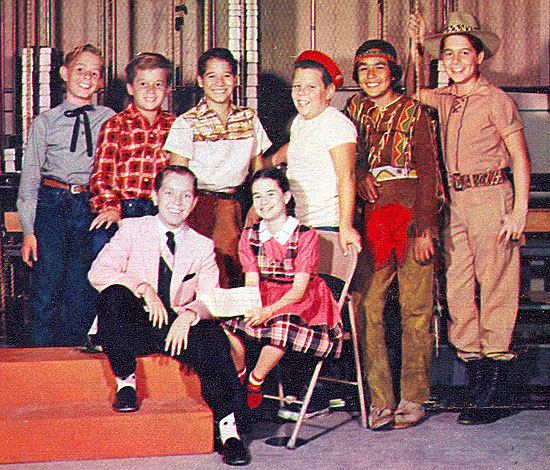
{"points": [[53, 204]]}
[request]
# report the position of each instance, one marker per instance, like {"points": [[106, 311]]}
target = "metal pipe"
{"points": [[172, 50], [2, 107], [105, 46], [114, 38], [206, 25], [48, 23], [313, 23], [213, 23], [242, 60]]}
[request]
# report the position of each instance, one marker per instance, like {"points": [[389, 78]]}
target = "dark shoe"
{"points": [[126, 400], [234, 452], [493, 391], [475, 371], [476, 416]]}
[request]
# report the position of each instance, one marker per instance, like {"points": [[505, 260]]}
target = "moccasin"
{"points": [[380, 418], [408, 414]]}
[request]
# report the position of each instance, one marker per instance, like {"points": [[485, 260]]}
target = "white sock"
{"points": [[228, 428], [129, 381]]}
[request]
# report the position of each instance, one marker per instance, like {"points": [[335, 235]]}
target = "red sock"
{"points": [[254, 391]]}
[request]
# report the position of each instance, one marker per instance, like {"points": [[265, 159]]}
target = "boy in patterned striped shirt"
{"points": [[219, 142]]}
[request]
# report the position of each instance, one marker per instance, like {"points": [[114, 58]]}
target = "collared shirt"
{"points": [[219, 155], [474, 126], [129, 156], [284, 233], [313, 179], [47, 155], [167, 255], [163, 230]]}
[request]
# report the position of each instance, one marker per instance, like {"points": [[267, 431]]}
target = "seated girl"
{"points": [[298, 311]]}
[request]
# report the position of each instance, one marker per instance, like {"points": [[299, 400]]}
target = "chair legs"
{"points": [[358, 369], [292, 441]]}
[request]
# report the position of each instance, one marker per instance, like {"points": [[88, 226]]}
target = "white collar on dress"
{"points": [[283, 235]]}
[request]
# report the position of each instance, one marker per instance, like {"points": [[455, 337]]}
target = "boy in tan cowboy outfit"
{"points": [[482, 135], [397, 179]]}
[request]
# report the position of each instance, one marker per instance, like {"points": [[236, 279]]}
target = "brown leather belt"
{"points": [[216, 194], [72, 188], [489, 178]]}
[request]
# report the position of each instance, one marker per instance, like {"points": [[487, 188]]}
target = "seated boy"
{"points": [[148, 276], [54, 208], [129, 152]]}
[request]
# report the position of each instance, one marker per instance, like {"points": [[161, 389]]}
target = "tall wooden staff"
{"points": [[413, 51]]}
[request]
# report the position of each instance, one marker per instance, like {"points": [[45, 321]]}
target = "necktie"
{"points": [[171, 242], [76, 114], [165, 273]]}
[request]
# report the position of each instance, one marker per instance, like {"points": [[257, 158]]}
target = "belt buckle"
{"points": [[75, 189], [458, 184]]}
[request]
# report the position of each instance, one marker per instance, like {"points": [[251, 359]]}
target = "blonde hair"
{"points": [[72, 55]]}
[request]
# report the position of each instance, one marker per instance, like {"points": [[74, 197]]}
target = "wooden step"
{"points": [[56, 405], [38, 375]]}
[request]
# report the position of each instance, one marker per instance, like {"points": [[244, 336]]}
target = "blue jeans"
{"points": [[137, 207], [62, 299]]}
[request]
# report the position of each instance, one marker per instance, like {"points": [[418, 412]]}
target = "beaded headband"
{"points": [[459, 28], [376, 53]]}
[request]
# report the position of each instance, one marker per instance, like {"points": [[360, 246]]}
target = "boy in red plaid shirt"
{"points": [[129, 153]]}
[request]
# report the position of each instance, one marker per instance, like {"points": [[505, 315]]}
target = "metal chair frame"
{"points": [[332, 262]]}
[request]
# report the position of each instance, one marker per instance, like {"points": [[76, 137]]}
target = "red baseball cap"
{"points": [[330, 66]]}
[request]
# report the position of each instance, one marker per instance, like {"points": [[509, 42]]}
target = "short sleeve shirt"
{"points": [[219, 155], [473, 127], [313, 179]]}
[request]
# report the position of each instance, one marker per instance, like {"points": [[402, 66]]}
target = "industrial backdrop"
{"points": [[266, 36]]}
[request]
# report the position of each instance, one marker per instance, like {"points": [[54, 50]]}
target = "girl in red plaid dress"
{"points": [[281, 256]]}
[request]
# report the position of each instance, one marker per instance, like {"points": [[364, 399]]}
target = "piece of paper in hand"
{"points": [[231, 302]]}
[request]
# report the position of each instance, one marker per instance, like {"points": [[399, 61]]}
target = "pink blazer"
{"points": [[132, 257]]}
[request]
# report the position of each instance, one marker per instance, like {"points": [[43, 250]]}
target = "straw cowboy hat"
{"points": [[460, 22]]}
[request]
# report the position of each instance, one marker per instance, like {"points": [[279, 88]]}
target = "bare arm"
{"points": [[278, 157], [257, 162], [29, 251], [414, 77], [343, 158], [295, 294], [513, 224]]}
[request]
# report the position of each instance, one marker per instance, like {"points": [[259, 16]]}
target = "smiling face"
{"points": [[461, 60], [269, 201], [83, 77], [149, 90], [218, 82], [175, 199], [374, 77], [310, 95]]}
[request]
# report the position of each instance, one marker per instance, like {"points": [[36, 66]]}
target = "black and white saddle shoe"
{"points": [[126, 400], [234, 452]]}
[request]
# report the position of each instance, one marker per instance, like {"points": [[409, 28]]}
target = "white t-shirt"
{"points": [[313, 179], [220, 165]]}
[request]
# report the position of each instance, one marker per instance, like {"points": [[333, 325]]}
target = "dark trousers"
{"points": [[62, 300], [137, 207], [126, 333]]}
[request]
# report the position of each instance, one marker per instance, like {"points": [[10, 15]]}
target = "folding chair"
{"points": [[334, 263]]}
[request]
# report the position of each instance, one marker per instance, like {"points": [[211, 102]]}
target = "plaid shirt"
{"points": [[129, 156]]}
